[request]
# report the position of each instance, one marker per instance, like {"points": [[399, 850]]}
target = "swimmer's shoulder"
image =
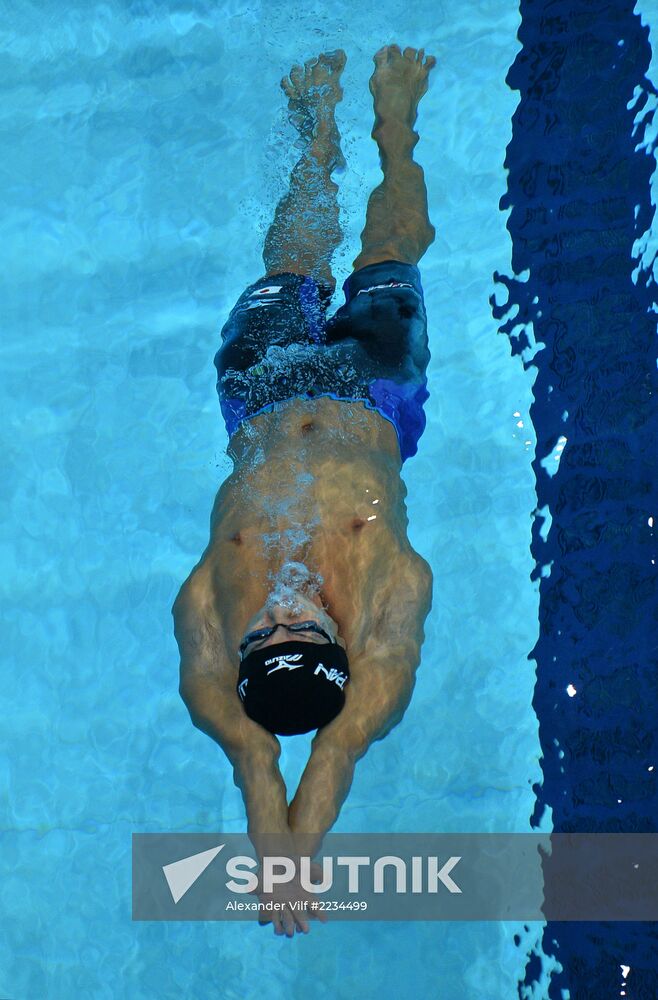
{"points": [[198, 590]]}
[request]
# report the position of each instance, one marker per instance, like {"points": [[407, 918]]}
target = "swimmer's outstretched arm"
{"points": [[207, 686], [381, 683], [377, 697]]}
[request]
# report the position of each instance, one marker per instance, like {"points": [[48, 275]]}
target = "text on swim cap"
{"points": [[334, 675]]}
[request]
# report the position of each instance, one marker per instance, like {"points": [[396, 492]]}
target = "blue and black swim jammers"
{"points": [[278, 344]]}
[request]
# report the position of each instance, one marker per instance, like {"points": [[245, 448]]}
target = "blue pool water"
{"points": [[144, 148]]}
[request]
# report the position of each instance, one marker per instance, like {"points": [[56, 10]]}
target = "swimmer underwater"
{"points": [[306, 610]]}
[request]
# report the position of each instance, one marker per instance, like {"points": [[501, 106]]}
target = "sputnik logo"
{"points": [[181, 875]]}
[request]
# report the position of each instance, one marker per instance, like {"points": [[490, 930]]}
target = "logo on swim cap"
{"points": [[288, 661], [337, 676], [298, 689]]}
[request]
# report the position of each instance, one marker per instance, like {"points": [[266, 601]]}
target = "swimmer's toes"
{"points": [[287, 88], [386, 53], [336, 59], [327, 70], [297, 76]]}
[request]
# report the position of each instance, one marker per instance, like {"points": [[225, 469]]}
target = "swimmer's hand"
{"points": [[292, 906]]}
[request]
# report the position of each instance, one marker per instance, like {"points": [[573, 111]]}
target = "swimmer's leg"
{"points": [[306, 230], [397, 221]]}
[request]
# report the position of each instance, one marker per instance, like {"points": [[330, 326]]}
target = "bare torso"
{"points": [[318, 482]]}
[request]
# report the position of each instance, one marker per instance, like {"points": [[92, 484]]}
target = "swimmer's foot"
{"points": [[313, 91], [306, 228], [397, 221], [397, 85]]}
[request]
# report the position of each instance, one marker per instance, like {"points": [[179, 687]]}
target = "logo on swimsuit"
{"points": [[261, 303], [242, 687], [334, 675], [287, 662], [388, 284], [259, 297]]}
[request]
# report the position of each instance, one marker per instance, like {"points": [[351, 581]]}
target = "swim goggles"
{"points": [[264, 633]]}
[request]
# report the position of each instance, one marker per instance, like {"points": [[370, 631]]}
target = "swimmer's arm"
{"points": [[207, 686], [376, 698], [374, 704]]}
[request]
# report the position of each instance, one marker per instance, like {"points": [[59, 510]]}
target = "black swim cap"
{"points": [[294, 687]]}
